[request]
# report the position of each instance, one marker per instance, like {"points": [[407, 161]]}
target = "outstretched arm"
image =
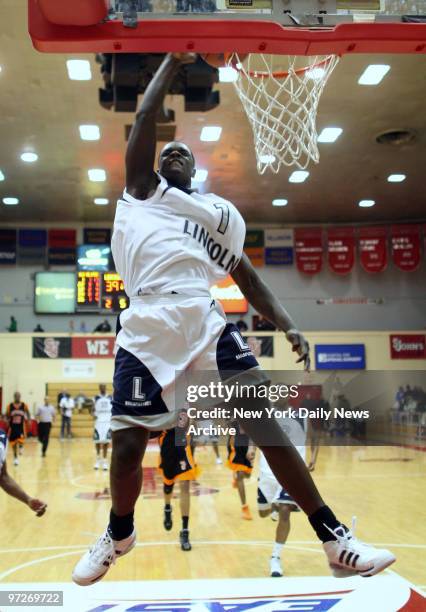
{"points": [[12, 488], [140, 155], [264, 301]]}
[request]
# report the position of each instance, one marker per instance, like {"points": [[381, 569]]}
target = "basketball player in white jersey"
{"points": [[270, 494], [11, 487], [170, 244], [102, 406]]}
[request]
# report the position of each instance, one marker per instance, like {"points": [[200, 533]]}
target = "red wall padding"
{"points": [[74, 12]]}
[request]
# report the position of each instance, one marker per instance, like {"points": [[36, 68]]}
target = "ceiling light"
{"points": [[29, 157], [315, 73], [1, 176], [267, 159], [200, 175], [79, 70], [210, 133], [279, 202], [10, 201], [330, 134], [101, 201], [366, 203], [89, 132], [227, 74], [298, 176], [396, 178], [373, 74], [97, 175]]}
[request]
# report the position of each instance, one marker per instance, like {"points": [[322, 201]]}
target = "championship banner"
{"points": [[51, 348], [406, 247], [96, 235], [254, 247], [308, 246], [7, 247], [62, 247], [373, 253], [279, 247], [407, 346], [32, 245], [95, 347], [341, 249]]}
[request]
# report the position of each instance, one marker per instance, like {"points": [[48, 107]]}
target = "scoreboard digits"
{"points": [[100, 291]]}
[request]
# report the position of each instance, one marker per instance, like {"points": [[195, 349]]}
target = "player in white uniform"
{"points": [[102, 406], [8, 484], [170, 244], [272, 497]]}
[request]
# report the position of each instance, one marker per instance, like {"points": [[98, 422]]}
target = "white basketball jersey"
{"points": [[103, 407], [175, 241], [3, 448], [296, 430]]}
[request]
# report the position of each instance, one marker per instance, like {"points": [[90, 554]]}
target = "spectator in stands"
{"points": [[242, 325], [67, 405], [61, 394], [103, 327], [399, 399], [38, 328], [80, 401], [263, 324], [13, 325], [45, 415]]}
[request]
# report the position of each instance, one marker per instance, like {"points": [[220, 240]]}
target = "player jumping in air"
{"points": [[170, 244]]}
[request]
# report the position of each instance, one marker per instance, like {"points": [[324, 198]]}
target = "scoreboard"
{"points": [[100, 292]]}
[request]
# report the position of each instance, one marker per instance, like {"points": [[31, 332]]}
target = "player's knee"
{"points": [[127, 452], [168, 489], [264, 513], [285, 511]]}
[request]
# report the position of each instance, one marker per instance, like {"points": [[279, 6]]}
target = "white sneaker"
{"points": [[348, 556], [105, 465], [275, 568], [219, 461], [275, 515], [96, 466], [16, 461], [95, 563]]}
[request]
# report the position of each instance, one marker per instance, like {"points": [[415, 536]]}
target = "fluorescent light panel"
{"points": [[89, 132], [200, 175], [29, 157], [227, 74], [79, 70], [366, 203], [10, 201], [373, 74], [267, 159], [298, 176], [101, 201], [2, 177], [330, 134], [97, 175], [279, 202], [396, 178], [210, 133]]}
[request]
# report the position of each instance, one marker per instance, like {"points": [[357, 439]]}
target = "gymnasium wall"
{"points": [[402, 296], [19, 371]]}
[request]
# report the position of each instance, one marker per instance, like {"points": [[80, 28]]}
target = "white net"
{"points": [[280, 95]]}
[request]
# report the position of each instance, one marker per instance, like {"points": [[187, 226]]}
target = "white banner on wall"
{"points": [[78, 368]]}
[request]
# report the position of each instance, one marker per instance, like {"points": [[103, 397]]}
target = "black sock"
{"points": [[167, 507], [321, 517], [120, 527], [185, 522]]}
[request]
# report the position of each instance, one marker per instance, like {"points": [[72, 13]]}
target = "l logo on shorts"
{"points": [[137, 389], [242, 344]]}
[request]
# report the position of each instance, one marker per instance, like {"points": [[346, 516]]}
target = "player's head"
{"points": [[17, 396], [177, 164], [102, 389]]}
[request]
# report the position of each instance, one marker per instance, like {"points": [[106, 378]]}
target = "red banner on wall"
{"points": [[341, 249], [95, 347], [408, 346], [308, 245], [373, 251], [406, 247]]}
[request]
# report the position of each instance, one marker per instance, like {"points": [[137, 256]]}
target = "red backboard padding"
{"points": [[74, 13]]}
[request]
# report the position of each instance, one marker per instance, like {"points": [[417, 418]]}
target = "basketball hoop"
{"points": [[280, 95]]}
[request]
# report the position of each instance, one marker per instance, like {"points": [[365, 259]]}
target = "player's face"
{"points": [[176, 163], [102, 389], [17, 397]]}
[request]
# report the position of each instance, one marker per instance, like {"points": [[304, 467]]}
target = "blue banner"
{"points": [[32, 244], [279, 247], [340, 356]]}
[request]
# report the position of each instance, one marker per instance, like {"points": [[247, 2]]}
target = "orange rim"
{"points": [[284, 73]]}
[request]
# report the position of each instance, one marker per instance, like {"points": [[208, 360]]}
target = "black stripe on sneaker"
{"points": [[342, 556], [348, 558], [355, 560]]}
